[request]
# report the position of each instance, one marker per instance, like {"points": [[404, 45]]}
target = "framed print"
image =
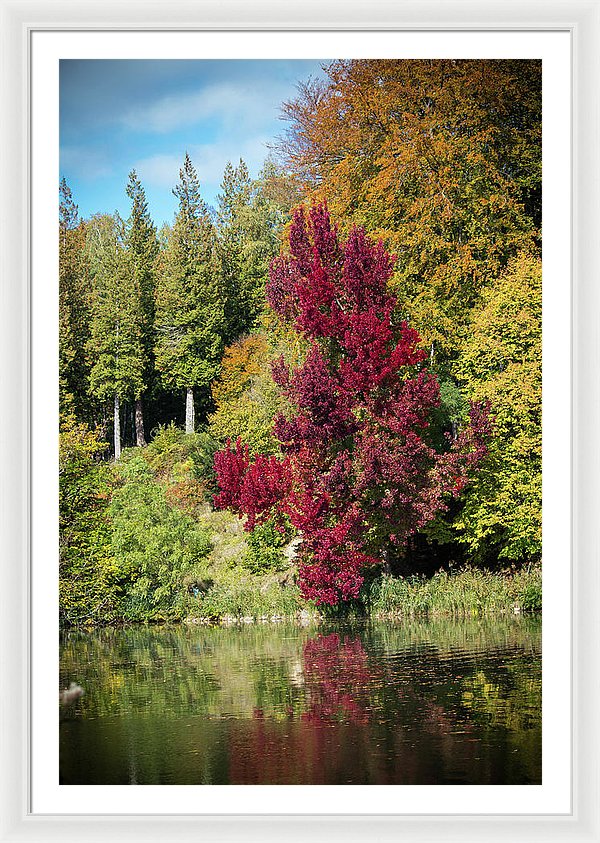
{"points": [[336, 365]]}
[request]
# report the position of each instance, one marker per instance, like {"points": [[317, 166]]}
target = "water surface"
{"points": [[439, 702]]}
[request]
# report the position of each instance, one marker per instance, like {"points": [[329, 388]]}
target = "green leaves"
{"points": [[86, 565], [74, 308], [247, 241], [159, 549], [142, 246], [501, 360]]}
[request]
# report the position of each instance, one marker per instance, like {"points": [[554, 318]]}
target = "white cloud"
{"points": [[229, 104], [159, 170]]}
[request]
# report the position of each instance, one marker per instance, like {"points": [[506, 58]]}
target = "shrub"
{"points": [[265, 548], [160, 550], [174, 453], [87, 587]]}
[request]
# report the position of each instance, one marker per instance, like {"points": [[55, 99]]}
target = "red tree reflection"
{"points": [[302, 747], [336, 675], [354, 721]]}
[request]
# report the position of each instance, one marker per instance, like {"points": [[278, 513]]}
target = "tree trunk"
{"points": [[140, 439], [117, 426], [385, 558], [189, 410]]}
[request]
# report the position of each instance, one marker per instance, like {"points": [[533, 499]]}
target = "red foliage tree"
{"points": [[359, 473]]}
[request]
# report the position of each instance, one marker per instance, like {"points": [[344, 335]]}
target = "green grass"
{"points": [[468, 592]]}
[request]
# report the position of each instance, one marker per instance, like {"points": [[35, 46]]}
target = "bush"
{"points": [[87, 587], [173, 452], [160, 550], [265, 548]]}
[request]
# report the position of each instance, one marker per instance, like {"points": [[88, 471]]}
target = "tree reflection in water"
{"points": [[337, 678], [416, 703]]}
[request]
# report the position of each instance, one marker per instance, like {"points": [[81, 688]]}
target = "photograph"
{"points": [[300, 421]]}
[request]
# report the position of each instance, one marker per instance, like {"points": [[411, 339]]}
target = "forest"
{"points": [[324, 394]]}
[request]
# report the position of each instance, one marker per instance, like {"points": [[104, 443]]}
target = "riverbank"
{"points": [[464, 593], [252, 599]]}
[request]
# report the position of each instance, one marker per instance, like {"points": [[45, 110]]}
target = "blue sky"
{"points": [[119, 115]]}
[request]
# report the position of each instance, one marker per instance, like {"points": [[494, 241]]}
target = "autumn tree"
{"points": [[142, 245], [501, 358], [439, 158], [74, 304], [115, 343], [246, 397], [359, 474], [189, 321]]}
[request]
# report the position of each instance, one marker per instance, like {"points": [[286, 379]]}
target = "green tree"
{"points": [[115, 343], [189, 320], [501, 360], [74, 307], [248, 228], [142, 245]]}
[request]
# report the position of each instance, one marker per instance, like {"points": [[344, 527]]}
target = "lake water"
{"points": [[439, 702]]}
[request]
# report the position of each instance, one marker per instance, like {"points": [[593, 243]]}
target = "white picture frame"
{"points": [[18, 21]]}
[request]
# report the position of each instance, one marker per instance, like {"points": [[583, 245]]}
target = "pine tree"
{"points": [[142, 245], [189, 318], [248, 226], [115, 344], [73, 307]]}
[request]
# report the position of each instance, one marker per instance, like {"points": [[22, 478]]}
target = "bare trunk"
{"points": [[385, 558], [117, 426], [189, 410], [140, 439]]}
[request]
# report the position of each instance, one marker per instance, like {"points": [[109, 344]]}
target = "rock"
{"points": [[290, 551]]}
